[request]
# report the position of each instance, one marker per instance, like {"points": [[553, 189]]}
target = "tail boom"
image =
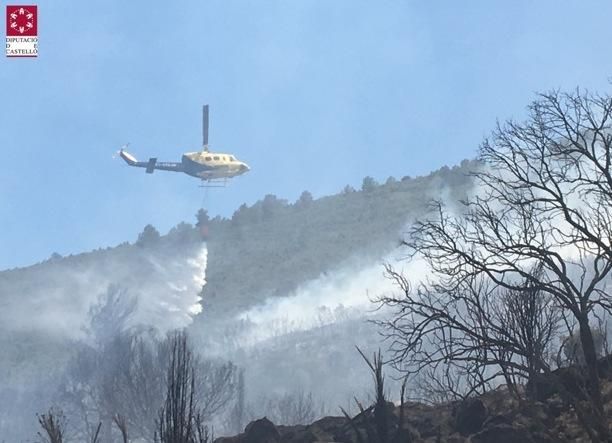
{"points": [[129, 158], [150, 165]]}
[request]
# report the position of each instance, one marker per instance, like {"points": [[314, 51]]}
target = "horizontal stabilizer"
{"points": [[151, 165]]}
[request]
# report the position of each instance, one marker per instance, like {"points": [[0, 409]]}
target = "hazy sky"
{"points": [[312, 94]]}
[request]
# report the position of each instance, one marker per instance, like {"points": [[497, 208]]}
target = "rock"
{"points": [[406, 435], [556, 405], [604, 366], [502, 433], [261, 431], [424, 424], [309, 435], [470, 414], [455, 438], [330, 425], [543, 437], [496, 420], [429, 421], [291, 433], [541, 387]]}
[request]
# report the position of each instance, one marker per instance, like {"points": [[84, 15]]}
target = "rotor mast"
{"points": [[205, 128]]}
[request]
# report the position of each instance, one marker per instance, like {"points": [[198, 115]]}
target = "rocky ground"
{"points": [[495, 417]]}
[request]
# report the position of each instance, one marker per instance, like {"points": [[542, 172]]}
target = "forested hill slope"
{"points": [[261, 252], [271, 247]]}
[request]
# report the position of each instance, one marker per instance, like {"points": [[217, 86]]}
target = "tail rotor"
{"points": [[118, 153]]}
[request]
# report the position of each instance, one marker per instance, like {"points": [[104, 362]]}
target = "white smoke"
{"points": [[347, 293]]}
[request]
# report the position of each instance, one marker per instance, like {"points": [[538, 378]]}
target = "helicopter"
{"points": [[213, 168]]}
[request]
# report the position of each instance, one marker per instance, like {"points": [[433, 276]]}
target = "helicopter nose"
{"points": [[244, 167]]}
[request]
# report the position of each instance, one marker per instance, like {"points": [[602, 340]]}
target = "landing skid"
{"points": [[214, 183]]}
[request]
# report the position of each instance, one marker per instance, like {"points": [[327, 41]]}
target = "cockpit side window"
{"points": [[208, 159], [232, 159]]}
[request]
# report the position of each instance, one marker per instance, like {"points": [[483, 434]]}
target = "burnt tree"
{"points": [[543, 200]]}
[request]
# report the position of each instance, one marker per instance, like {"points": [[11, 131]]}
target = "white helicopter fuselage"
{"points": [[212, 165]]}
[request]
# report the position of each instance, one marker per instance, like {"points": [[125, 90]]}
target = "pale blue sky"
{"points": [[312, 94]]}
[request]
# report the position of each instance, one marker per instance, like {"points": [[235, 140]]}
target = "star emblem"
{"points": [[21, 20]]}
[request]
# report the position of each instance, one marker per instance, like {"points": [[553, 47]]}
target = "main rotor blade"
{"points": [[205, 125]]}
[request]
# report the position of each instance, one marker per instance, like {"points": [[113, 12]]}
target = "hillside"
{"points": [[320, 257], [264, 251], [267, 250]]}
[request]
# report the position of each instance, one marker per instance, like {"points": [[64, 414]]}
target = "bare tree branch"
{"points": [[541, 222]]}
